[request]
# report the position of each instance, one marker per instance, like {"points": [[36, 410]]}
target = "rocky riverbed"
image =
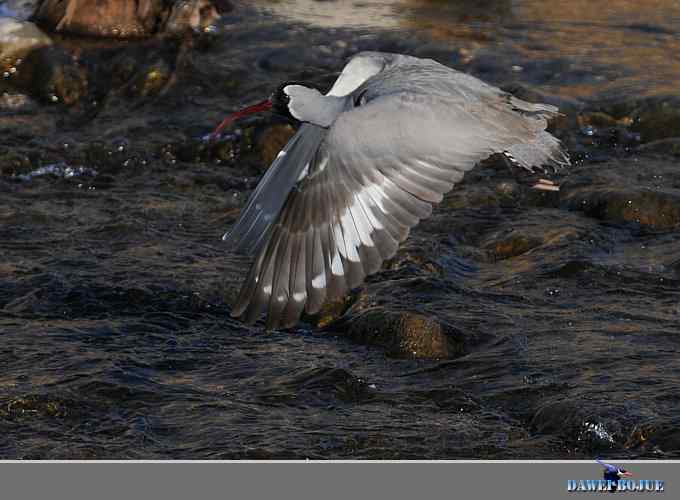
{"points": [[511, 324]]}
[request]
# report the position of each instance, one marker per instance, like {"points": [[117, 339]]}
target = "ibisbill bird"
{"points": [[613, 473], [368, 162]]}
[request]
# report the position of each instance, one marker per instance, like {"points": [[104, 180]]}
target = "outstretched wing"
{"points": [[373, 177], [609, 467], [265, 203]]}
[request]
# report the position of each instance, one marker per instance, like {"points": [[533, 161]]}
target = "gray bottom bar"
{"points": [[327, 481]]}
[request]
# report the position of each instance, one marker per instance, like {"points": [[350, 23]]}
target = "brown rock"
{"points": [[640, 190], [52, 75], [405, 334], [270, 142], [657, 120], [512, 245], [110, 18], [126, 18]]}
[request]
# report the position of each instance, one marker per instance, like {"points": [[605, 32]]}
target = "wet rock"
{"points": [[196, 15], [18, 38], [419, 256], [405, 334], [656, 209], [13, 163], [670, 146], [313, 384], [639, 191], [657, 119], [330, 312], [127, 18], [448, 398], [101, 18], [475, 197], [223, 150], [35, 405], [578, 425], [658, 437], [270, 142], [13, 101], [600, 119], [530, 231], [152, 80], [511, 245], [141, 70], [53, 75]]}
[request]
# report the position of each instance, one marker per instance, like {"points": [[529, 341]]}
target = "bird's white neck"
{"points": [[311, 106]]}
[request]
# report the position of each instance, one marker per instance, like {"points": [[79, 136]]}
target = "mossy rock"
{"points": [[52, 75], [658, 120], [271, 141], [405, 334]]}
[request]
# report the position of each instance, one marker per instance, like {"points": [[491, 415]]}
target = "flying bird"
{"points": [[613, 473], [370, 159]]}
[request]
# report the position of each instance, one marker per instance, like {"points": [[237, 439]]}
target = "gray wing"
{"points": [[609, 467], [265, 203], [374, 176]]}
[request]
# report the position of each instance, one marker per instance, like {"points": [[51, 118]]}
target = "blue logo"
{"points": [[615, 479]]}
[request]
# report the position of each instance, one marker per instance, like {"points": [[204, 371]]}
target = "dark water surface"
{"points": [[511, 324]]}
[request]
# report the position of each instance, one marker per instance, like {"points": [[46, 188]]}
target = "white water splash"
{"points": [[58, 170]]}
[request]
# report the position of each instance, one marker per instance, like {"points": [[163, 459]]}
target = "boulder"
{"points": [[127, 18], [18, 38], [405, 334]]}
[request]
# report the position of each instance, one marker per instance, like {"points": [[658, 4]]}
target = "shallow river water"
{"points": [[511, 324]]}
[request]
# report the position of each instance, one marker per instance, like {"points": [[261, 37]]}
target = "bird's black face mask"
{"points": [[277, 103]]}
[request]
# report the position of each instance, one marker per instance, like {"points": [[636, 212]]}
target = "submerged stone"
{"points": [[579, 424], [512, 245], [641, 191], [52, 75], [405, 334], [657, 119], [316, 383], [271, 141], [658, 436]]}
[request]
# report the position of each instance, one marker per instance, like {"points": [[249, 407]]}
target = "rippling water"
{"points": [[512, 324]]}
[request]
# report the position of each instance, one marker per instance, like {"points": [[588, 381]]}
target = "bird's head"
{"points": [[283, 101], [623, 473]]}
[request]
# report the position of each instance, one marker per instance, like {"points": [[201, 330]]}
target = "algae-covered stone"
{"points": [[18, 38], [52, 75], [151, 81], [512, 245], [656, 120], [127, 18], [13, 164], [580, 426], [114, 18], [647, 207], [271, 141], [639, 190], [659, 435], [405, 334]]}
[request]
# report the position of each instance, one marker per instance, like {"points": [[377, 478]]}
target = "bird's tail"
{"points": [[543, 150]]}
